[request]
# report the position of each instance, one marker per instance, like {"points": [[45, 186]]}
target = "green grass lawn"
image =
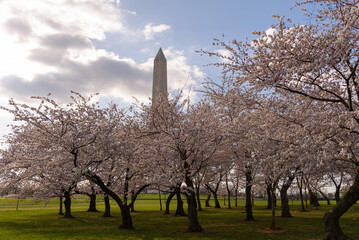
{"points": [[35, 220]]}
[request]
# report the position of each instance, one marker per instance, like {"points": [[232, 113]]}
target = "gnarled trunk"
{"points": [[126, 217], [125, 211], [132, 206], [236, 198], [229, 200], [301, 200], [269, 196], [134, 196], [273, 189], [199, 206], [216, 202], [194, 225], [252, 195], [331, 218], [168, 201], [300, 187], [159, 198], [337, 193], [228, 193], [285, 205], [92, 207], [313, 198], [180, 210], [324, 196], [67, 204], [60, 209], [273, 223], [214, 192], [107, 212], [207, 200], [284, 196], [236, 191], [249, 212]]}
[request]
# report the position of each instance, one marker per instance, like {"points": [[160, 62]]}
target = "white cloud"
{"points": [[225, 53], [131, 12], [104, 72], [271, 31], [47, 47], [150, 30], [37, 28], [87, 18]]}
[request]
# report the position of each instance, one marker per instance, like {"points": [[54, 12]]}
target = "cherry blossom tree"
{"points": [[186, 134], [130, 170], [234, 106], [35, 161], [89, 189], [86, 141], [213, 181], [317, 61]]}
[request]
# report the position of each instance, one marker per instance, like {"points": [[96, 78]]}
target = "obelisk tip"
{"points": [[160, 54]]}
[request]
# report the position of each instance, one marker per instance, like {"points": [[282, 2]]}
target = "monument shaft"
{"points": [[159, 87]]}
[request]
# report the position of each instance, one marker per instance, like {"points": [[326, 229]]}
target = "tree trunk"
{"points": [[285, 205], [17, 204], [284, 196], [92, 207], [180, 210], [168, 201], [300, 187], [207, 200], [236, 192], [107, 206], [228, 193], [60, 210], [252, 195], [301, 200], [194, 225], [269, 196], [216, 202], [331, 218], [67, 204], [126, 218], [324, 196], [236, 198], [199, 206], [125, 213], [273, 226], [132, 206], [159, 197], [134, 196], [249, 213], [214, 192], [337, 193], [328, 200], [313, 198], [305, 197], [229, 200]]}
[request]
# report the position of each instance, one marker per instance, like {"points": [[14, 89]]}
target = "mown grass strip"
{"points": [[42, 222]]}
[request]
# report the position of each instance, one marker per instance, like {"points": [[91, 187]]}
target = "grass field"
{"points": [[34, 220]]}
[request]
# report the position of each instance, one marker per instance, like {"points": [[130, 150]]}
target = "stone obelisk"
{"points": [[159, 85]]}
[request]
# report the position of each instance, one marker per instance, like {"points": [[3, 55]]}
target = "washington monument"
{"points": [[159, 85]]}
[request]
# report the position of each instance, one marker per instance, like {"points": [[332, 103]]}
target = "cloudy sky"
{"points": [[108, 46]]}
